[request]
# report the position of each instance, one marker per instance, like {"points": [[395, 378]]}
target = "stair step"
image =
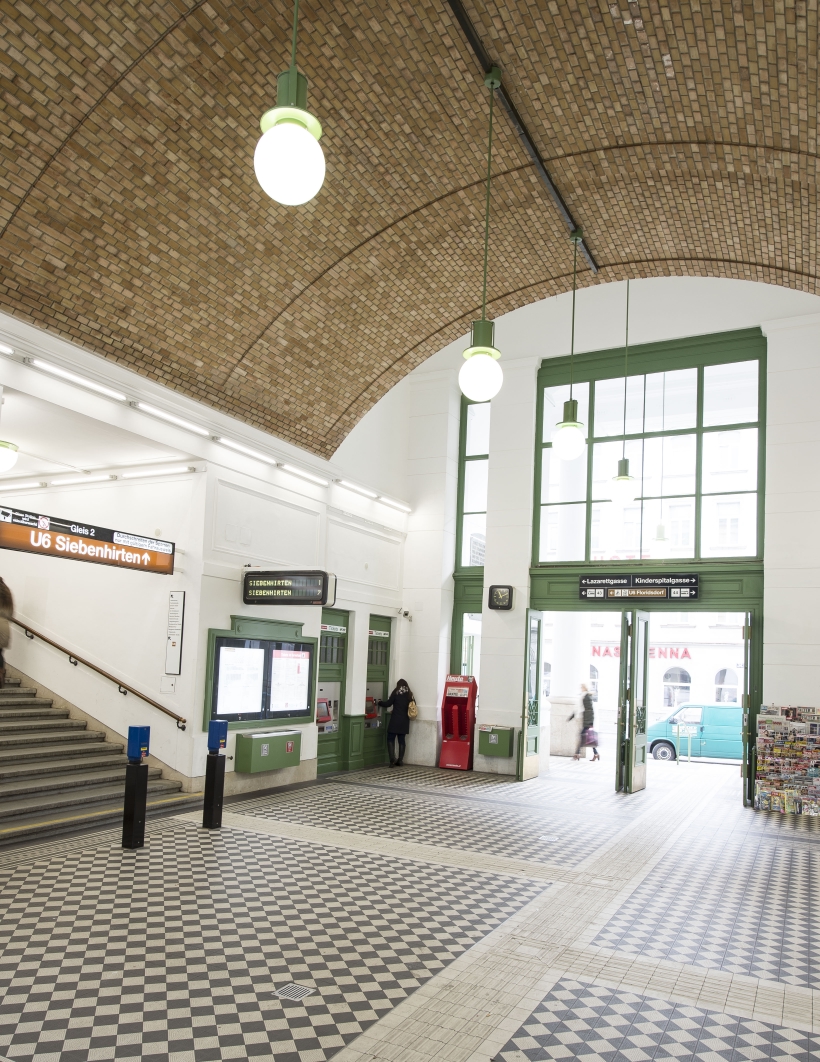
{"points": [[78, 799], [11, 682], [22, 738], [46, 768], [17, 691], [35, 827], [10, 702], [34, 711], [59, 782], [41, 724], [92, 749]]}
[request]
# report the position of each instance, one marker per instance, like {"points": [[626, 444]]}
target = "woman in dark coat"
{"points": [[588, 723], [399, 724]]}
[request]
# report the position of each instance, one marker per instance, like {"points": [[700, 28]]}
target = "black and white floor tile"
{"points": [[596, 1024], [174, 953]]}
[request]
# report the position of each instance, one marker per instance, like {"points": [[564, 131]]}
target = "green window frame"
{"points": [[472, 477], [590, 372]]}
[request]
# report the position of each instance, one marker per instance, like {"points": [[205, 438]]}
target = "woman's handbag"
{"points": [[412, 710], [591, 738]]}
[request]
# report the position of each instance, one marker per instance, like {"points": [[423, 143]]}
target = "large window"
{"points": [[475, 449], [692, 436]]}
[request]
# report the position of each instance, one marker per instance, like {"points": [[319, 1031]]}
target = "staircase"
{"points": [[57, 776]]}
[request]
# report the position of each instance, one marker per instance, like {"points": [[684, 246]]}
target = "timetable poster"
{"points": [[289, 681], [241, 675]]}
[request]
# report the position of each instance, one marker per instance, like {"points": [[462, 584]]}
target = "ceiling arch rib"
{"points": [[144, 237]]}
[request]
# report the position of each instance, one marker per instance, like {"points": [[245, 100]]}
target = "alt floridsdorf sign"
{"points": [[33, 533]]}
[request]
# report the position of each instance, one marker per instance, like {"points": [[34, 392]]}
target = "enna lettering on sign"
{"points": [[55, 537]]}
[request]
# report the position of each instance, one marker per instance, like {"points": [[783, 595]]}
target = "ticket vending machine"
{"points": [[458, 722], [373, 714], [328, 697]]}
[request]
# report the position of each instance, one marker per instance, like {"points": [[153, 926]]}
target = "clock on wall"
{"points": [[501, 598]]}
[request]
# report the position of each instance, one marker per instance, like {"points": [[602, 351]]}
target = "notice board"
{"points": [[262, 679]]}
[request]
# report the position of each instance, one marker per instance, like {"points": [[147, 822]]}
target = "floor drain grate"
{"points": [[294, 991]]}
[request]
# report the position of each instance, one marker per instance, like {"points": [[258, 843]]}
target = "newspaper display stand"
{"points": [[458, 722]]}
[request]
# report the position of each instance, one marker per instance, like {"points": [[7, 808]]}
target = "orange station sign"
{"points": [[53, 537]]}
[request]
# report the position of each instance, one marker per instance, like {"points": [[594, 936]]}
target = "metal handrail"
{"points": [[122, 687]]}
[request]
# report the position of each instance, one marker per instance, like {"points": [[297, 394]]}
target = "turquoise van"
{"points": [[718, 734]]}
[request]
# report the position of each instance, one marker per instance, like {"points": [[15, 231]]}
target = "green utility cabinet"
{"points": [[267, 751], [496, 740]]}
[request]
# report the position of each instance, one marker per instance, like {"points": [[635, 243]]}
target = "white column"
{"points": [[432, 478], [508, 554], [791, 653]]}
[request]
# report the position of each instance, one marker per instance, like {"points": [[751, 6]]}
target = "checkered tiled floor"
{"points": [[598, 1024], [216, 923], [487, 828], [744, 905]]}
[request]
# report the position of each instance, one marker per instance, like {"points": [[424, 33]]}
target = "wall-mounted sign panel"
{"points": [[54, 537], [641, 587], [288, 588], [261, 678], [173, 645]]}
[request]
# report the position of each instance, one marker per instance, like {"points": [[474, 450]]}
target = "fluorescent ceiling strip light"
{"points": [[80, 479], [305, 475], [81, 381], [395, 504], [6, 349], [247, 450], [143, 473], [26, 485], [180, 423], [359, 490]]}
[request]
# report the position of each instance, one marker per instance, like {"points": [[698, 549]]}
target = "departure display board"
{"points": [[645, 587], [258, 678], [75, 540], [288, 588]]}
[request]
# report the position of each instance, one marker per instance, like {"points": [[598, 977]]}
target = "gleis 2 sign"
{"points": [[54, 537]]}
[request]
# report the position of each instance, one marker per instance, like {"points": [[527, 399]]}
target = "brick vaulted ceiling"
{"points": [[683, 137]]}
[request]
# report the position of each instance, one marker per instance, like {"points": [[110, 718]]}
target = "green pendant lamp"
{"points": [[480, 378], [568, 439], [289, 162], [625, 488]]}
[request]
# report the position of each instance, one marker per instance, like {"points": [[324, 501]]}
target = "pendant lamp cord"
{"points": [[487, 208], [626, 364], [572, 336], [293, 42]]}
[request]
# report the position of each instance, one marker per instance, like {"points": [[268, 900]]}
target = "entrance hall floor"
{"points": [[435, 915]]}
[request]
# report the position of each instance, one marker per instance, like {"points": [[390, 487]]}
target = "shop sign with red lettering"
{"points": [[49, 535]]}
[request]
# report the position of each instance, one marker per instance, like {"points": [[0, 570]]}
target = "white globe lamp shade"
{"points": [[8, 456], [480, 378], [568, 439], [289, 162], [625, 488]]}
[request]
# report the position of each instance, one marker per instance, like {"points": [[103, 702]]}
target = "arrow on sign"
{"points": [[146, 557]]}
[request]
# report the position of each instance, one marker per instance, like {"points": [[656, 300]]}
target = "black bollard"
{"points": [[214, 775], [136, 788]]}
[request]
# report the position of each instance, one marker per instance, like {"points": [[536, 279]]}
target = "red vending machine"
{"points": [[458, 722]]}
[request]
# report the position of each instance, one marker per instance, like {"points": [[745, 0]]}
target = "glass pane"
{"points": [[478, 429], [729, 460], [473, 539], [730, 393], [615, 531], [609, 406], [729, 526], [475, 486], [669, 465], [471, 644], [563, 529], [671, 400], [563, 481], [554, 399], [668, 528], [605, 458]]}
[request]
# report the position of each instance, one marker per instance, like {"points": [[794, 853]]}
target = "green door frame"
{"points": [[630, 768], [332, 748], [529, 741]]}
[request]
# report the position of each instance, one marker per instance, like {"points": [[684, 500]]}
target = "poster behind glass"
{"points": [[261, 679]]}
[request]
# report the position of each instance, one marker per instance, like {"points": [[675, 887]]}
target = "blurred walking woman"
{"points": [[399, 724], [6, 612]]}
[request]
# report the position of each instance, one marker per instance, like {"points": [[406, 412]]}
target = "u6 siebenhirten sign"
{"points": [[33, 533]]}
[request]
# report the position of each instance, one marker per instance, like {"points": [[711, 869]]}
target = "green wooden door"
{"points": [[748, 765], [529, 745], [330, 698], [631, 763], [374, 745]]}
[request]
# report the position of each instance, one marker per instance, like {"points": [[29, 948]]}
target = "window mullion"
{"points": [[588, 507], [699, 464]]}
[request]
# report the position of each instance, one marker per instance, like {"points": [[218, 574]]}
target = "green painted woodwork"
{"points": [[267, 751], [462, 460], [333, 668], [374, 738], [468, 597], [273, 630]]}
